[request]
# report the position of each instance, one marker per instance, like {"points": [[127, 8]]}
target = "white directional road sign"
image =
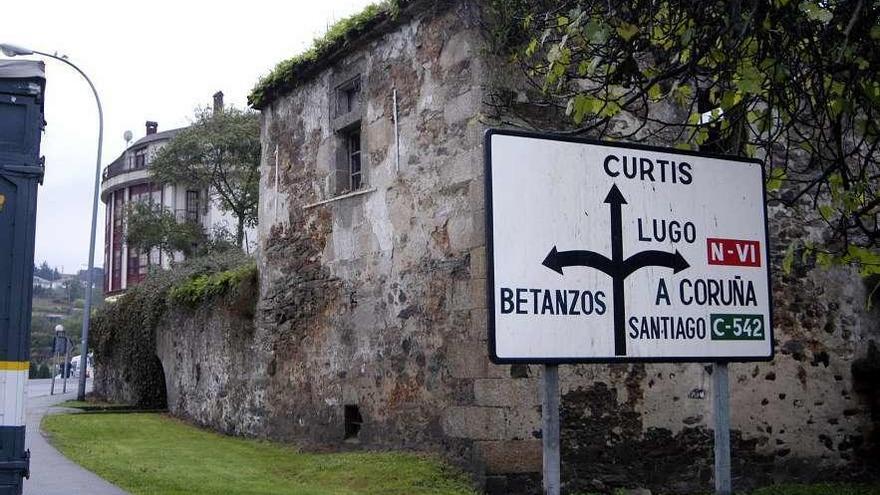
{"points": [[608, 252]]}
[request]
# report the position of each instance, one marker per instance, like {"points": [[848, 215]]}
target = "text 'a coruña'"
{"points": [[554, 302], [710, 292]]}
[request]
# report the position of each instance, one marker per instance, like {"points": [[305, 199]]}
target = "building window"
{"points": [[140, 158], [348, 96], [353, 154], [192, 206], [140, 193]]}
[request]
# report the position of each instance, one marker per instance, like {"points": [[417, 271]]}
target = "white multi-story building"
{"points": [[128, 179]]}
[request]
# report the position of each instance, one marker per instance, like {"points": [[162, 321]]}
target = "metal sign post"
{"points": [[550, 429], [721, 407], [67, 345], [54, 364], [603, 252]]}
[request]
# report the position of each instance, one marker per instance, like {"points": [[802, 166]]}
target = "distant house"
{"points": [[128, 179], [46, 284]]}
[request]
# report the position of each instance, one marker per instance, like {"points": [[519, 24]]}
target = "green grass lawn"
{"points": [[156, 454], [795, 489], [98, 406], [819, 489]]}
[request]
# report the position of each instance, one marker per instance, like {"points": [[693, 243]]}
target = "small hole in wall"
{"points": [[353, 422]]}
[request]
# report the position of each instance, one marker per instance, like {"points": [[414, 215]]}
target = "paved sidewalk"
{"points": [[52, 473]]}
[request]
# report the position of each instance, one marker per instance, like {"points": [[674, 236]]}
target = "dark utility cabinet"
{"points": [[22, 86]]}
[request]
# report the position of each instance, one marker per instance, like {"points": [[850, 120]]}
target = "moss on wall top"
{"points": [[341, 35]]}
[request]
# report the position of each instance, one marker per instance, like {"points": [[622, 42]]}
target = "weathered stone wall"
{"points": [[366, 294], [377, 300], [214, 366]]}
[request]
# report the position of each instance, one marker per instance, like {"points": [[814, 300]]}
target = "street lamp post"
{"points": [[12, 51]]}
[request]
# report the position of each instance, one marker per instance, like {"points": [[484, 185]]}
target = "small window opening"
{"points": [[353, 422], [192, 206], [353, 152], [347, 97], [140, 158]]}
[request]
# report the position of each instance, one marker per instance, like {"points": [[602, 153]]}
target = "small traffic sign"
{"points": [[607, 252]]}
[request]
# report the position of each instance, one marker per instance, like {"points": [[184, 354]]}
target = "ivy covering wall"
{"points": [[125, 331]]}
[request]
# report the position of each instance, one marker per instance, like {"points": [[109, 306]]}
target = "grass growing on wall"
{"points": [[202, 287], [284, 76], [155, 454]]}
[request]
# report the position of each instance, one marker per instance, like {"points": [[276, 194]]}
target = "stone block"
{"points": [[477, 194], [467, 360], [461, 107], [478, 262], [470, 359], [461, 232], [504, 392], [475, 423], [479, 324], [508, 457], [524, 421], [478, 293], [461, 295], [479, 228]]}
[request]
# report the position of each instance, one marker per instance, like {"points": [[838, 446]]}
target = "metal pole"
{"points": [[87, 309], [54, 363], [550, 429], [67, 345], [721, 405]]}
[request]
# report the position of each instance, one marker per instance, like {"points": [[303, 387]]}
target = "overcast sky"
{"points": [[155, 60]]}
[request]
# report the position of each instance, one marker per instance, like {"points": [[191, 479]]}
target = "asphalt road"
{"points": [[51, 472]]}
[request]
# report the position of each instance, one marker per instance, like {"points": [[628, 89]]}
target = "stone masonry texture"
{"points": [[376, 300]]}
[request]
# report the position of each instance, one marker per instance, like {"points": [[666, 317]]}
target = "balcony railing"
{"points": [[115, 169]]}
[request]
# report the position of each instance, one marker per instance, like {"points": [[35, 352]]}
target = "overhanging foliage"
{"points": [[796, 83]]}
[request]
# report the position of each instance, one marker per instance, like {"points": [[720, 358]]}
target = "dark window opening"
{"points": [[353, 153], [192, 206], [353, 422], [140, 158], [347, 97]]}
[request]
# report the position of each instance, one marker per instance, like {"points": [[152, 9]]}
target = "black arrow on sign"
{"points": [[556, 261], [654, 258], [617, 268]]}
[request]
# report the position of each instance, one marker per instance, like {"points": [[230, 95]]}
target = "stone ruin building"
{"points": [[370, 329]]}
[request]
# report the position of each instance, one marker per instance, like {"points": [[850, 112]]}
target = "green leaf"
{"points": [[788, 260], [627, 30], [682, 94], [596, 32], [748, 79], [730, 99], [654, 92], [777, 175], [610, 109], [815, 12], [581, 106], [824, 259], [532, 48]]}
